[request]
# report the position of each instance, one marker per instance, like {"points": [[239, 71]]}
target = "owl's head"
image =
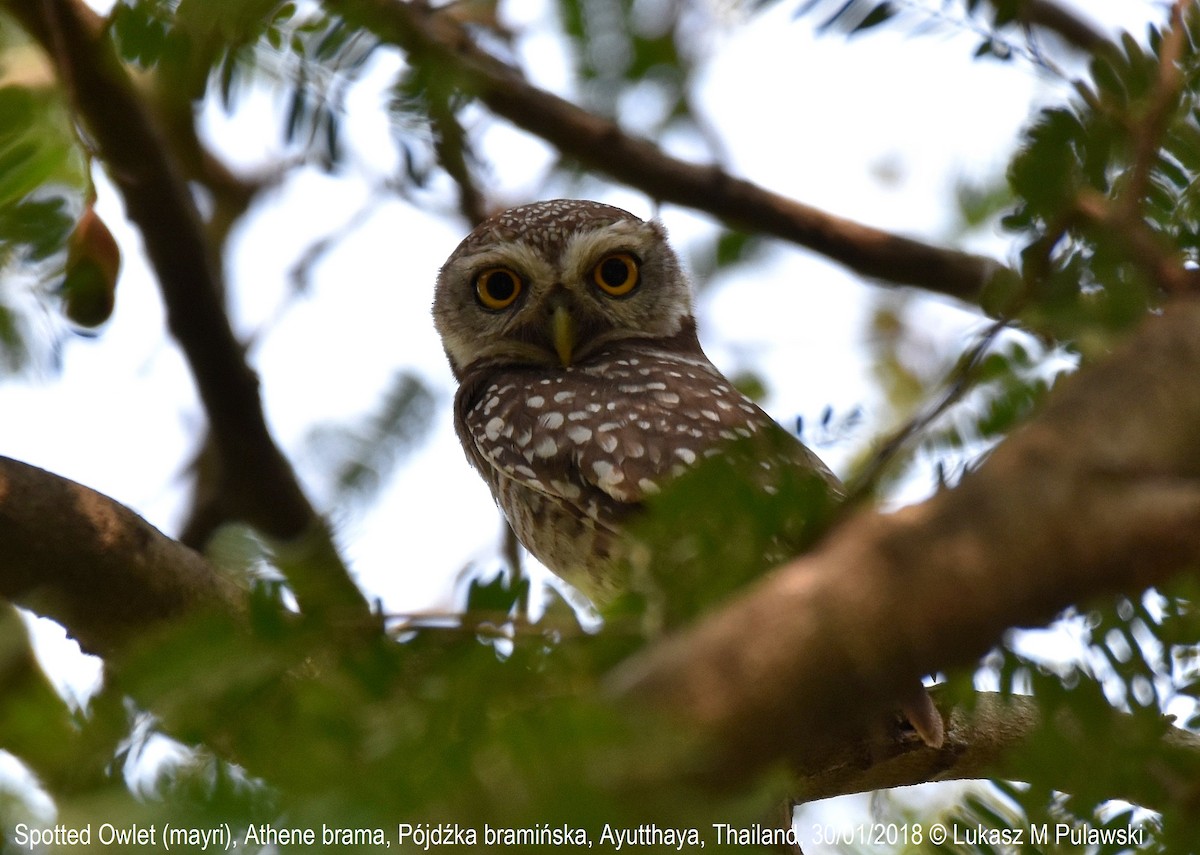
{"points": [[554, 283]]}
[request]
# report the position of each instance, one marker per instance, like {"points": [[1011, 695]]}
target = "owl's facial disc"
{"points": [[555, 284]]}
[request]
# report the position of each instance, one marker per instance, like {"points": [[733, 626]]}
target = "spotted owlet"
{"points": [[582, 385]]}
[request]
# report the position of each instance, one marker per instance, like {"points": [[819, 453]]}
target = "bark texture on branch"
{"points": [[1099, 493], [93, 565]]}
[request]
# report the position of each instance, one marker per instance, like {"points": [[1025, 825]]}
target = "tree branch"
{"points": [[116, 578], [93, 565], [432, 37], [158, 200], [985, 738], [1155, 119], [1087, 499]]}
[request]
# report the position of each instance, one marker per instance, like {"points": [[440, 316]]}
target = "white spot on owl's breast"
{"points": [[610, 432], [579, 434]]}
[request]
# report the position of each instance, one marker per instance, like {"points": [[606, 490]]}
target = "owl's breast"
{"points": [[614, 429], [571, 454], [573, 545]]}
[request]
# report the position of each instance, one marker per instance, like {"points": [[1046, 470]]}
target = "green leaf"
{"points": [[724, 523], [498, 595]]}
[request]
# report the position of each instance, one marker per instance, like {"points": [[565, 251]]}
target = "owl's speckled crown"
{"points": [[545, 226]]}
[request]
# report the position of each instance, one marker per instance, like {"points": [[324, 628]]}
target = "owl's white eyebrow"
{"points": [[524, 259], [582, 250]]}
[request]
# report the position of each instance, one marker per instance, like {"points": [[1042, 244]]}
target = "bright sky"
{"points": [[878, 129]]}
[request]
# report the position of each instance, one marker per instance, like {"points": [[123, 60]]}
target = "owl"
{"points": [[583, 389], [582, 385]]}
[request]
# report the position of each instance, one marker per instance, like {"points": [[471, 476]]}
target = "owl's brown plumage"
{"points": [[583, 388], [581, 395]]}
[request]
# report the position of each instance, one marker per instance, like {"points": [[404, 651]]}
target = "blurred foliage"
{"points": [[725, 252], [1101, 199], [996, 23], [1103, 731], [626, 50], [980, 204], [948, 409], [1103, 187], [359, 459], [387, 733], [487, 718], [722, 524], [44, 183], [1106, 192], [310, 58]]}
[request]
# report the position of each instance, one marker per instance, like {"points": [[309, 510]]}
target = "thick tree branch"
{"points": [[1098, 494], [437, 39], [116, 578], [158, 200], [93, 565]]}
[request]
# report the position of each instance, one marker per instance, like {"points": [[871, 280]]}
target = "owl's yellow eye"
{"points": [[497, 288], [616, 274]]}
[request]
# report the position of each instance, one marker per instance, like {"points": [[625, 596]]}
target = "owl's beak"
{"points": [[562, 333]]}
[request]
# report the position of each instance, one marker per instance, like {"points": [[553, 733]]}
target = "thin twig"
{"points": [[1148, 129], [958, 382], [1144, 247]]}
